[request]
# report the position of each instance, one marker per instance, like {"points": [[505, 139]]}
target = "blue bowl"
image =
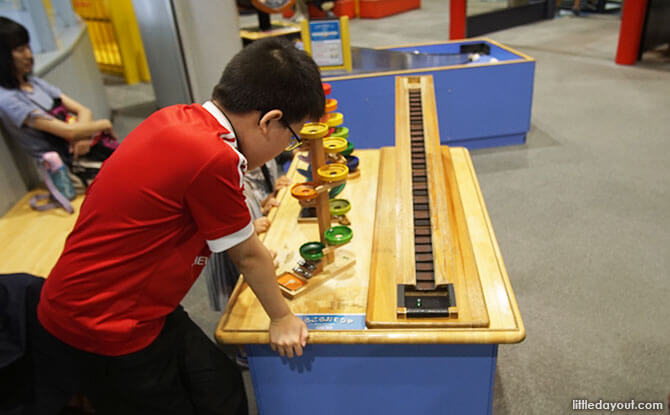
{"points": [[352, 163]]}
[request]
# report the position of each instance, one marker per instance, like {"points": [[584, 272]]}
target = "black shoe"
{"points": [[576, 12]]}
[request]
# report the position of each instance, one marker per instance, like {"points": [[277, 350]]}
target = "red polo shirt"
{"points": [[169, 193]]}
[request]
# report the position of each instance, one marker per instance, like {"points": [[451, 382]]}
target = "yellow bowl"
{"points": [[333, 172], [313, 130], [334, 119], [334, 144]]}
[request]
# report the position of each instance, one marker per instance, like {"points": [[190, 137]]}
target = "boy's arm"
{"points": [[288, 333]]}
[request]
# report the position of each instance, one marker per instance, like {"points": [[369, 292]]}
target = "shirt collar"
{"points": [[223, 121], [228, 137]]}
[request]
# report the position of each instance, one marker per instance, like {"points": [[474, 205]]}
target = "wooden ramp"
{"points": [[423, 272]]}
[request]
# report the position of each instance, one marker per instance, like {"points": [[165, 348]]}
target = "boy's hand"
{"points": [[282, 181], [275, 261], [262, 224], [288, 335], [268, 204]]}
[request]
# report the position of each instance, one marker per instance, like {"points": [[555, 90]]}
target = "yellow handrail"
{"points": [[117, 44]]}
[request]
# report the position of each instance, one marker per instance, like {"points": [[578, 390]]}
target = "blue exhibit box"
{"points": [[480, 104]]}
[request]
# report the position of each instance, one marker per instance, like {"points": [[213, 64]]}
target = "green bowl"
{"points": [[340, 132], [312, 251], [339, 207], [338, 235], [348, 150]]}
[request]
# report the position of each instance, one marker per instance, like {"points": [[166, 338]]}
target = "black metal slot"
{"points": [[422, 230], [425, 285], [425, 276], [422, 214], [421, 206], [420, 200], [424, 257], [422, 239], [421, 222], [424, 266]]}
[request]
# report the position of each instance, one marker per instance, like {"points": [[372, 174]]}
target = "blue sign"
{"points": [[326, 40], [328, 30], [334, 321]]}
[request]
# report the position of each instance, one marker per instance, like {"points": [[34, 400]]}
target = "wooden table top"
{"points": [[244, 321]]}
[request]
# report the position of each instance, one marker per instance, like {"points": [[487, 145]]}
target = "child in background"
{"points": [[260, 188], [33, 112]]}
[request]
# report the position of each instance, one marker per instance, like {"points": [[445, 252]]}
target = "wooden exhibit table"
{"points": [[349, 368], [414, 325]]}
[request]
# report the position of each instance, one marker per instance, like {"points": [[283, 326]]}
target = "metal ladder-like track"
{"points": [[424, 299], [423, 246]]}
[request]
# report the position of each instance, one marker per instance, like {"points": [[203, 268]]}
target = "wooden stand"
{"points": [[318, 156], [342, 260]]}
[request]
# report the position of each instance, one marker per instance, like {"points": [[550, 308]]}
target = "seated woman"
{"points": [[29, 107]]}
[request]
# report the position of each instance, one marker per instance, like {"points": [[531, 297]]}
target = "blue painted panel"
{"points": [[472, 103], [367, 379], [487, 142], [437, 48], [478, 103], [484, 101], [368, 106], [503, 54]]}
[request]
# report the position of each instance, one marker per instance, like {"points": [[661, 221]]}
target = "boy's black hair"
{"points": [[272, 74], [12, 35]]}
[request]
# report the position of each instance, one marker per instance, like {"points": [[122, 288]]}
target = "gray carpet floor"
{"points": [[581, 211]]}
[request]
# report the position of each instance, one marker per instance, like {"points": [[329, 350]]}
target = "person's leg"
{"points": [[213, 381], [56, 371], [144, 382], [576, 9], [182, 373]]}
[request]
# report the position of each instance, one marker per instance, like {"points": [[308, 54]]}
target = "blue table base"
{"points": [[375, 379]]}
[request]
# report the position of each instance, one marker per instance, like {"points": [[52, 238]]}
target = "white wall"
{"points": [[210, 36]]}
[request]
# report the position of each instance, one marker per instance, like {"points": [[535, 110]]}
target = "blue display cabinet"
{"points": [[480, 104]]}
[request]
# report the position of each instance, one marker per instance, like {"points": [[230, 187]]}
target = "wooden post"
{"points": [[318, 159]]}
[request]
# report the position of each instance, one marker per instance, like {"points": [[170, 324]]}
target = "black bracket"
{"points": [[426, 303]]}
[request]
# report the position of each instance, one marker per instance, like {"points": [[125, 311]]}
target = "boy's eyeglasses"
{"points": [[296, 141]]}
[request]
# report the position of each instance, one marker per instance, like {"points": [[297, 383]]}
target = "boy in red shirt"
{"points": [[171, 194]]}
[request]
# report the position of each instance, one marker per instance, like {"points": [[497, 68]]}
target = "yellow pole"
{"points": [[122, 15]]}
